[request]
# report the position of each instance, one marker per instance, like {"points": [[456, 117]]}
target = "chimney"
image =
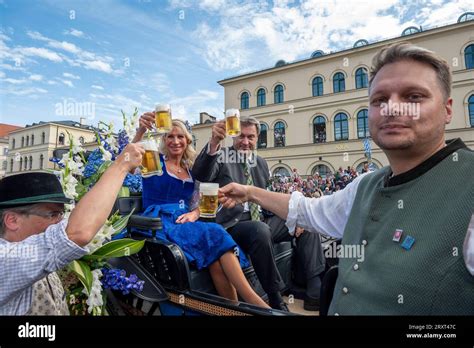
{"points": [[82, 121]]}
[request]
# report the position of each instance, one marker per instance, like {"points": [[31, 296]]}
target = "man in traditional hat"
{"points": [[35, 241]]}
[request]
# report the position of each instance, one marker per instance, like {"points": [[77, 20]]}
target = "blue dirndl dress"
{"points": [[203, 243]]}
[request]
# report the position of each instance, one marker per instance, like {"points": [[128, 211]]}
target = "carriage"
{"points": [[175, 287]]}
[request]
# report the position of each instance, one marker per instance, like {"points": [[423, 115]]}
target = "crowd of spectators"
{"points": [[315, 185]]}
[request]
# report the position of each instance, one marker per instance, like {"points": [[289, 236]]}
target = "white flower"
{"points": [[104, 234], [95, 296]]}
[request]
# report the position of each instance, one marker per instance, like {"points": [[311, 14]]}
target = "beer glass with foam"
{"points": [[232, 122], [163, 118], [208, 202]]}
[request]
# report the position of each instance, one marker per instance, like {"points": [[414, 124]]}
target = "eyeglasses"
{"points": [[52, 215]]}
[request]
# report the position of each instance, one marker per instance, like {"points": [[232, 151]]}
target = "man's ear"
{"points": [[449, 110], [11, 221]]}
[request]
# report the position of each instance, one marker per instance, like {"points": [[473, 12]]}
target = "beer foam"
{"points": [[232, 112], [208, 189], [162, 107], [149, 145]]}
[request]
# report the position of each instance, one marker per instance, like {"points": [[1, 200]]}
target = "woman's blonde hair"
{"points": [[189, 154]]}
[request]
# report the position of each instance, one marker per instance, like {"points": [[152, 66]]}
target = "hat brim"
{"points": [[53, 198]]}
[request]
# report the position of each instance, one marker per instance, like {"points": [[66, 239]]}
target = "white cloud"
{"points": [[24, 91], [74, 32], [67, 83], [14, 81], [42, 53], [71, 76], [98, 87], [51, 82], [2, 74], [36, 77], [96, 65], [66, 46]]}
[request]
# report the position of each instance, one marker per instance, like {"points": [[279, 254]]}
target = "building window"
{"points": [[362, 124], [27, 140], [43, 138], [21, 164], [13, 143], [341, 127], [469, 56], [281, 171], [471, 109], [11, 165], [244, 100], [194, 140], [317, 86], [339, 82], [278, 94], [361, 78], [319, 130], [61, 139], [364, 167], [321, 170], [81, 140], [5, 151], [279, 137], [41, 161], [22, 141], [4, 165], [31, 162], [32, 139], [262, 138], [261, 97]]}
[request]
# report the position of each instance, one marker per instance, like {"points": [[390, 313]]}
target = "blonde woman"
{"points": [[172, 197]]}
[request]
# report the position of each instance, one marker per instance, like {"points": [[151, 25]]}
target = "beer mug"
{"points": [[151, 164], [163, 118], [232, 122], [208, 202]]}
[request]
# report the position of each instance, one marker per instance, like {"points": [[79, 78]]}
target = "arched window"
{"points": [[362, 124], [32, 139], [281, 171], [339, 82], [21, 164], [319, 130], [41, 161], [43, 138], [244, 100], [262, 138], [81, 140], [469, 56], [321, 169], [13, 143], [279, 136], [361, 78], [471, 109], [278, 93], [317, 86], [341, 127], [11, 165], [27, 140], [22, 141], [31, 162], [61, 139], [26, 163], [364, 166], [261, 97]]}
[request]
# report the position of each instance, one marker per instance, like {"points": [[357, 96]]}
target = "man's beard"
{"points": [[401, 144]]}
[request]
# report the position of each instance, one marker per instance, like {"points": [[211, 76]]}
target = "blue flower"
{"points": [[133, 182], [116, 279], [94, 161], [123, 140]]}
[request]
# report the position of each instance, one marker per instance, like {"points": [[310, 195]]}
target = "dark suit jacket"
{"points": [[207, 168]]}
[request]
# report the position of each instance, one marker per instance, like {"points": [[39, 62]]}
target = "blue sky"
{"points": [[117, 54]]}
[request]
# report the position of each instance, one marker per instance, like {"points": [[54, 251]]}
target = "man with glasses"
{"points": [[35, 240]]}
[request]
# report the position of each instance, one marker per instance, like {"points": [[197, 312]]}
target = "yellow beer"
{"points": [[163, 118], [232, 122], [151, 159], [208, 202]]}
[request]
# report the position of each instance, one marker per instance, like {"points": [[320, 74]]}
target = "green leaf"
{"points": [[121, 223], [116, 248], [83, 272]]}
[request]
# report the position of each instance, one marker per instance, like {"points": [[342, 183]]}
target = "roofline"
{"points": [[56, 124], [335, 54]]}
